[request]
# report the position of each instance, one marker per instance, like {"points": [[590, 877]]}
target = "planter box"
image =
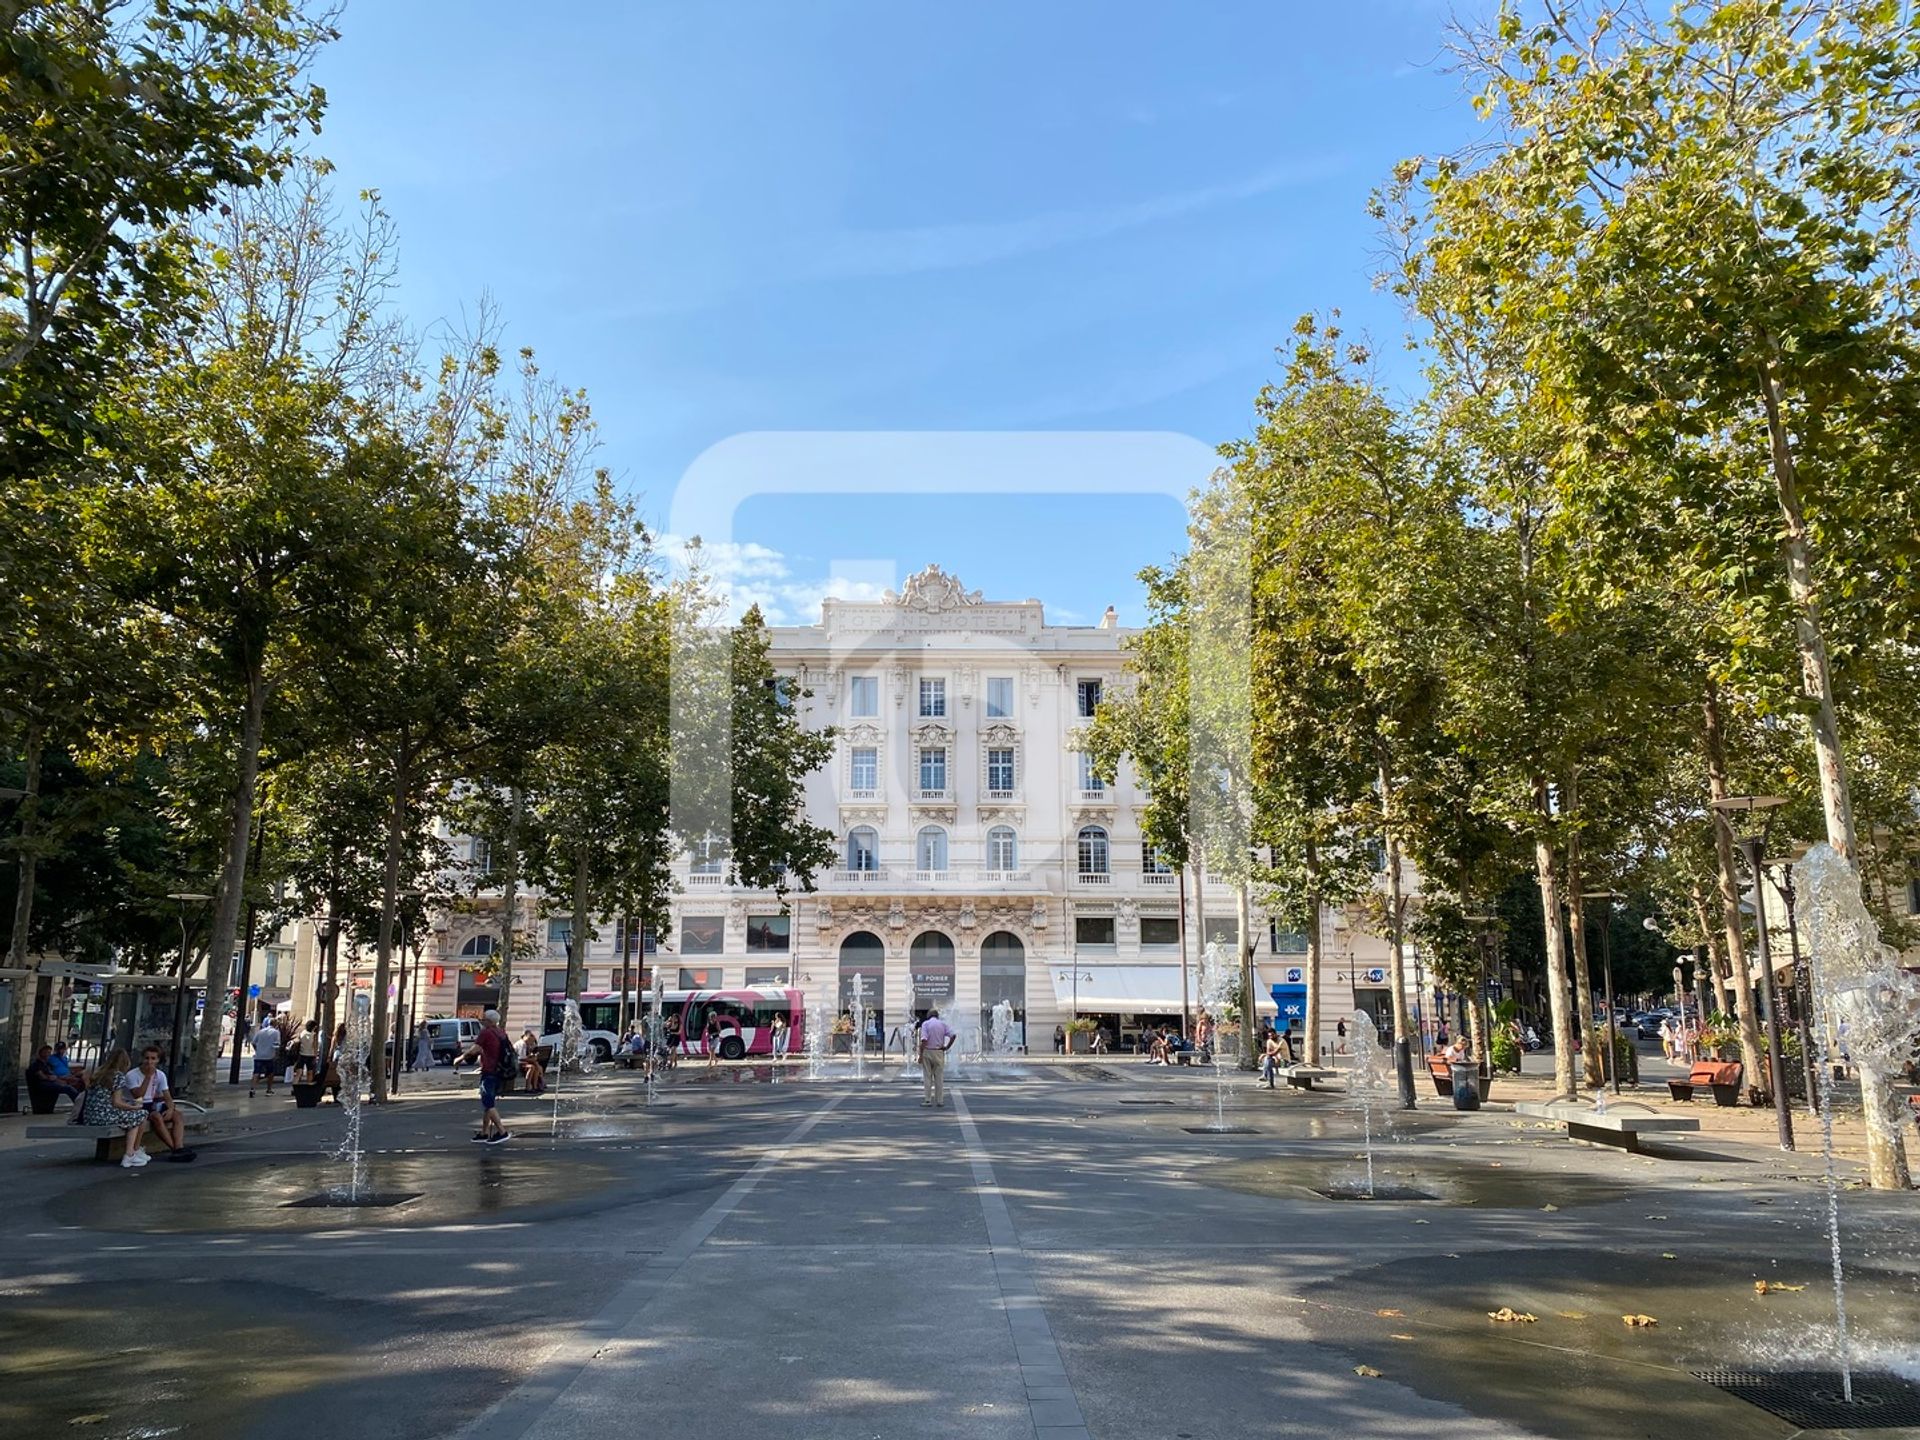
{"points": [[1080, 1043], [306, 1094]]}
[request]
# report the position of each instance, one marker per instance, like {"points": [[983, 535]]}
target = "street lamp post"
{"points": [[1606, 970], [1752, 845], [1802, 988], [400, 991], [185, 898]]}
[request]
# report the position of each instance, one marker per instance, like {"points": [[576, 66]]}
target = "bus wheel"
{"points": [[732, 1048]]}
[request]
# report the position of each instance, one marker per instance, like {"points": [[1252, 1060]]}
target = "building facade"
{"points": [[979, 858]]}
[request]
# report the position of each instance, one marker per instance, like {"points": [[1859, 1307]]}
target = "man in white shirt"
{"points": [[936, 1038], [147, 1088], [266, 1056]]}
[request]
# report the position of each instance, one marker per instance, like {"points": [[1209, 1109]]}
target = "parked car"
{"points": [[450, 1037]]}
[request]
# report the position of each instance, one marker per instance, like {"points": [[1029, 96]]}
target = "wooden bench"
{"points": [[1723, 1078], [1615, 1127], [1441, 1069], [1301, 1077]]}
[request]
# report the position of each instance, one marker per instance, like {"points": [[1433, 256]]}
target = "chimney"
{"points": [[1109, 620]]}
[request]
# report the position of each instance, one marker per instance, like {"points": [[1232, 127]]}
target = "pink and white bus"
{"points": [[745, 1015]]}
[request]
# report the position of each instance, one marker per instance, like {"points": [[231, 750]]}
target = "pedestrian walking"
{"points": [[710, 1037], [936, 1038], [1059, 1039], [1340, 1038], [266, 1058], [498, 1065], [779, 1037], [1270, 1059], [423, 1049]]}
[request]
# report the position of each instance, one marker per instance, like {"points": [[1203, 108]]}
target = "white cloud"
{"points": [[748, 574]]}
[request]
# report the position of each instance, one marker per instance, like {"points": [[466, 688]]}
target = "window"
{"points": [[1378, 854], [863, 848], [768, 933], [1092, 930], [703, 934], [1286, 942], [933, 769], [784, 687], [560, 932], [480, 855], [702, 979], [1225, 932], [1093, 850], [863, 770], [1000, 772], [931, 848], [1152, 862], [1090, 780], [1088, 698], [553, 982], [480, 945], [279, 966], [1913, 896], [999, 697], [1002, 849], [933, 699], [863, 696], [1159, 930], [767, 975], [706, 857], [629, 938]]}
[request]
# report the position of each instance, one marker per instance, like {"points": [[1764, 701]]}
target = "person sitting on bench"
{"points": [[67, 1072], [43, 1080], [147, 1087], [531, 1070], [102, 1106]]}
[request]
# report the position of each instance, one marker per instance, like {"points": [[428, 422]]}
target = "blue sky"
{"points": [[893, 215]]}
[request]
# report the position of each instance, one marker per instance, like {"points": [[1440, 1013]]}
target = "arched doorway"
{"points": [[864, 957], [1003, 977], [931, 973]]}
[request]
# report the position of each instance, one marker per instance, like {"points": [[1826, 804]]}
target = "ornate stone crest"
{"points": [[932, 591]]}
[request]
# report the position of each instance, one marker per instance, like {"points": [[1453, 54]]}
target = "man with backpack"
{"points": [[498, 1066]]}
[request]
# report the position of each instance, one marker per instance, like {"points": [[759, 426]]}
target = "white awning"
{"points": [[1136, 989]]}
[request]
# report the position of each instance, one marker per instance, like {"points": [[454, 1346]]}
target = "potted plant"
{"points": [[843, 1035], [1080, 1034]]}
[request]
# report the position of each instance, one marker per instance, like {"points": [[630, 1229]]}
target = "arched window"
{"points": [[863, 848], [931, 848], [863, 959], [1002, 849], [1003, 977], [930, 971], [1093, 850], [478, 946]]}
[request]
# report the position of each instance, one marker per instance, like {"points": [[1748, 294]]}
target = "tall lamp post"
{"points": [[1753, 845], [185, 898], [1606, 970], [398, 1057], [1802, 986]]}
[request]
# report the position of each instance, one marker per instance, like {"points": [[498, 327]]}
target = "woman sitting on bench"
{"points": [[102, 1107], [531, 1070]]}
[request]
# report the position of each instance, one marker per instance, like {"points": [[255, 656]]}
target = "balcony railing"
{"points": [[1158, 877], [1093, 797], [859, 877], [706, 878], [858, 793], [1093, 877], [940, 795], [1002, 794], [954, 875]]}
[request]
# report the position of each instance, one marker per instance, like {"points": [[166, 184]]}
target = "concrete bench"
{"points": [[106, 1138], [1301, 1077], [1615, 1127]]}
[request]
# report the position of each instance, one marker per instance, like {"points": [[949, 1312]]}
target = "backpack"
{"points": [[507, 1066]]}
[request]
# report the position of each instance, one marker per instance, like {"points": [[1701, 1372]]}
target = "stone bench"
{"points": [[1613, 1127], [1301, 1077], [106, 1138]]}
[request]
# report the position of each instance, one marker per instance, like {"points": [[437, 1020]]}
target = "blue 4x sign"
{"points": [[1291, 1001]]}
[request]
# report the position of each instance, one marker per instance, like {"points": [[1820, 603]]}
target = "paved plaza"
{"points": [[1064, 1251]]}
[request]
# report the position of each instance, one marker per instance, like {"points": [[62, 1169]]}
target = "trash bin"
{"points": [[1466, 1085]]}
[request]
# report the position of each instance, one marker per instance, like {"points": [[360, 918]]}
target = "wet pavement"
{"points": [[1059, 1255]]}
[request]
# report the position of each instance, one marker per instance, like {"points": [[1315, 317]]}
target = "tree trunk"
{"points": [[510, 901], [1751, 1048], [1312, 1045], [1250, 1021], [1886, 1149], [1565, 1078], [25, 989], [1396, 941], [577, 938], [1590, 1054], [231, 891], [389, 905]]}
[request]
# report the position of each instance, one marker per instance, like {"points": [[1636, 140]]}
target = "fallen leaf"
{"points": [[1765, 1287], [1400, 1313], [1400, 1337], [1640, 1322], [1549, 1207], [1366, 1372], [1571, 1314], [1668, 1255], [1507, 1315]]}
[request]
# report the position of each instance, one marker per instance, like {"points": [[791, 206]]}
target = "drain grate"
{"points": [[1219, 1129], [1813, 1400], [1146, 1102], [344, 1202]]}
